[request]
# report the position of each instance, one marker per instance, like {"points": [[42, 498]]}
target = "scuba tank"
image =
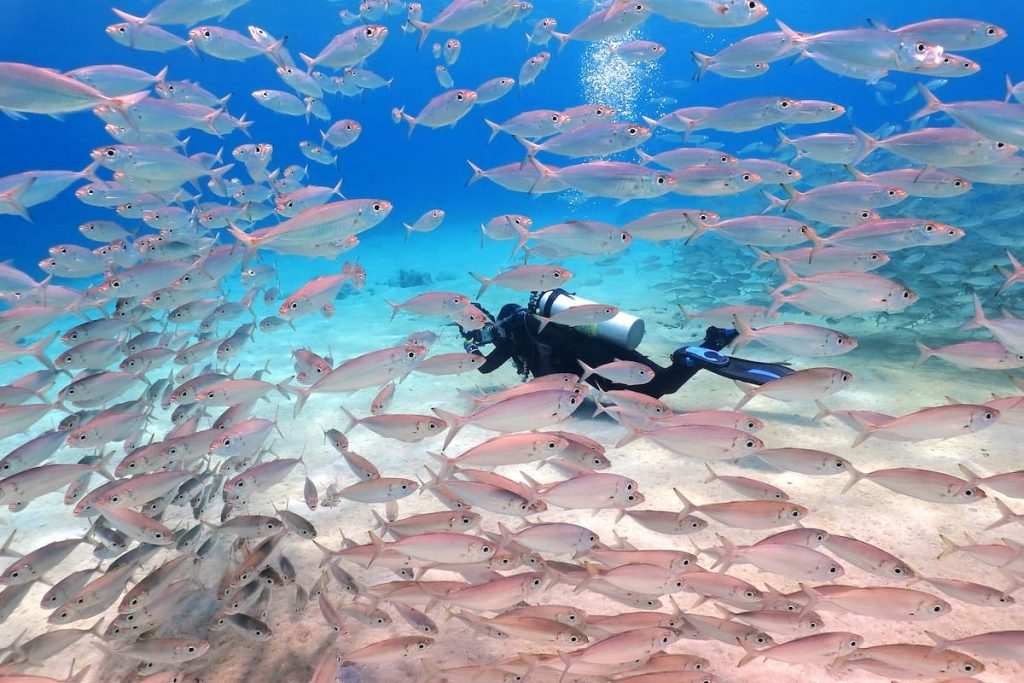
{"points": [[624, 329]]}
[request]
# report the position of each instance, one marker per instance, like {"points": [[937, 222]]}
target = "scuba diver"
{"points": [[517, 334]]}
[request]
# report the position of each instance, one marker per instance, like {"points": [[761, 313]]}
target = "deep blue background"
{"points": [[429, 169]]}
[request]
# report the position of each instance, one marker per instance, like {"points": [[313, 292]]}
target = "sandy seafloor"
{"points": [[884, 381]]}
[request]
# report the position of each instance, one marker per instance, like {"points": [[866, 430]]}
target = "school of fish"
{"points": [[210, 531]]}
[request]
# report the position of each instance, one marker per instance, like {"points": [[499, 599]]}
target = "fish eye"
{"points": [[784, 104], [761, 640], [906, 294], [1000, 145], [750, 444], [833, 108], [661, 180], [921, 47], [794, 513], [459, 97], [597, 461], [206, 33], [746, 177], [936, 608]]}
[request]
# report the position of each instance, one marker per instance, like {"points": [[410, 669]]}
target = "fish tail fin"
{"points": [[817, 241], [38, 351], [703, 63], [395, 308], [726, 554], [250, 243], [823, 410], [773, 201], [562, 38], [273, 50], [645, 158], [926, 353], [763, 256], [688, 507], [5, 550], [448, 466], [750, 653], [385, 525], [455, 424], [1015, 276], [855, 476], [749, 392], [543, 322], [651, 123], [495, 129], [857, 174], [592, 573], [865, 145], [789, 274], [587, 370], [699, 229], [378, 546], [409, 230], [484, 283], [1007, 515], [940, 642], [352, 420], [129, 18], [524, 237], [972, 477], [408, 119], [122, 103], [979, 319], [746, 333], [531, 148], [478, 173], [310, 61], [543, 173], [12, 198], [301, 396], [791, 35], [424, 29], [948, 547], [1009, 88], [634, 434], [932, 103], [863, 430], [712, 475], [784, 140]]}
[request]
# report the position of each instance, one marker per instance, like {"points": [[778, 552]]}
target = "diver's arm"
{"points": [[494, 360]]}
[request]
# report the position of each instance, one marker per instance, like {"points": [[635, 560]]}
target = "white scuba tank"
{"points": [[624, 329]]}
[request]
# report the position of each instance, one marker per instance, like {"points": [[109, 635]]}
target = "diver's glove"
{"points": [[472, 340]]}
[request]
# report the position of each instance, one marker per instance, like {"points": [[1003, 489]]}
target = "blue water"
{"points": [[429, 169]]}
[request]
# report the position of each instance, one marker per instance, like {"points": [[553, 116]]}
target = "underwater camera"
{"points": [[624, 329]]}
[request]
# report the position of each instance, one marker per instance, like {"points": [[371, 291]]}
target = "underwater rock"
{"points": [[408, 277]]}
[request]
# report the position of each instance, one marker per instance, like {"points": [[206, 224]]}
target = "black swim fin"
{"points": [[750, 371]]}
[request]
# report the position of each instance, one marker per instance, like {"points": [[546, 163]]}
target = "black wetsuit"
{"points": [[559, 349]]}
